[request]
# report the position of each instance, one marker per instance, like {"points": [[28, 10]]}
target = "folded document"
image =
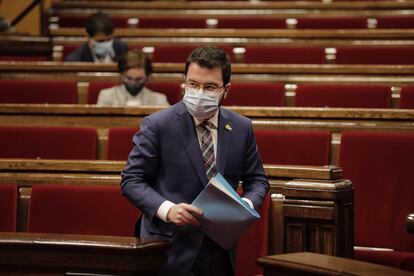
{"points": [[225, 214]]}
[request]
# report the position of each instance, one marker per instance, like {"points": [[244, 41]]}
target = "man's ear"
{"points": [[226, 90]]}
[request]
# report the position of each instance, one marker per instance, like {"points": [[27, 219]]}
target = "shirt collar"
{"points": [[213, 120]]}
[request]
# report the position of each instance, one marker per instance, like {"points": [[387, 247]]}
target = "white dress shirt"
{"points": [[166, 205]]}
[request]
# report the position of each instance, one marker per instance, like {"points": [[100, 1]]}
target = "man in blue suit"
{"points": [[168, 168]]}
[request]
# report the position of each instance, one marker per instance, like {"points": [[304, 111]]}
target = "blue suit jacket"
{"points": [[166, 164]]}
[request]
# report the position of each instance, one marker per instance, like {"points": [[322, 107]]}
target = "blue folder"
{"points": [[225, 214]]}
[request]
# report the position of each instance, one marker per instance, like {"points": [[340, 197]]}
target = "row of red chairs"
{"points": [[69, 210], [285, 54], [308, 148], [382, 198], [246, 22], [241, 94]]}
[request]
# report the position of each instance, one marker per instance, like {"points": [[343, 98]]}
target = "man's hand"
{"points": [[180, 214]]}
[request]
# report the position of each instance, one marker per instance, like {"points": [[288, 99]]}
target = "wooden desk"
{"points": [[248, 5], [317, 199], [334, 120], [58, 254], [306, 263]]}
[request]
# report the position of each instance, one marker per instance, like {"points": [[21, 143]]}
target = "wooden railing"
{"points": [[230, 5], [334, 120], [366, 34]]}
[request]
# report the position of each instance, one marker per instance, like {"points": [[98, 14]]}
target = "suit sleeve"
{"points": [[255, 182], [139, 178]]}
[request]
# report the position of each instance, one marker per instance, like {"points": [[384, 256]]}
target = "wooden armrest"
{"points": [[410, 223], [61, 253]]}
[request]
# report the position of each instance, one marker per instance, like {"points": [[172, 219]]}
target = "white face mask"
{"points": [[103, 48], [201, 104]]}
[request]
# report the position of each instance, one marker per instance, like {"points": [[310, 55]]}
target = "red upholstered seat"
{"points": [[8, 207], [395, 21], [78, 21], [293, 147], [179, 53], [407, 97], [68, 49], [48, 142], [251, 22], [78, 209], [343, 95], [374, 55], [24, 58], [172, 22], [95, 87], [255, 94], [331, 23], [170, 88], [254, 243], [380, 168], [120, 143], [285, 54], [38, 91]]}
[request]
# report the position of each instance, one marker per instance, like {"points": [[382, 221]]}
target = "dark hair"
{"points": [[211, 57], [99, 23], [135, 59]]}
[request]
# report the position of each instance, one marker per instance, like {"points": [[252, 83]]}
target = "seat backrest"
{"points": [[255, 94], [48, 142], [120, 143], [79, 21], [243, 22], [68, 49], [343, 95], [254, 243], [80, 209], [95, 87], [38, 91], [332, 22], [380, 166], [172, 22], [179, 53], [171, 89], [285, 54], [282, 147], [375, 55], [395, 21], [407, 97], [8, 207]]}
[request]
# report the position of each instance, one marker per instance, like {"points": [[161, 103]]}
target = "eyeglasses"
{"points": [[206, 87]]}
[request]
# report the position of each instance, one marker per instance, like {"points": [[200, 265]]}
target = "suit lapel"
{"points": [[224, 138], [188, 135]]}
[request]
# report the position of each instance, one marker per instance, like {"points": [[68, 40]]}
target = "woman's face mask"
{"points": [[133, 86], [202, 104], [102, 49]]}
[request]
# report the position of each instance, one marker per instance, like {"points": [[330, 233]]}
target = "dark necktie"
{"points": [[207, 149]]}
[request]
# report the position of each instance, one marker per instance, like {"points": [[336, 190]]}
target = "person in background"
{"points": [[175, 154], [101, 46], [135, 69]]}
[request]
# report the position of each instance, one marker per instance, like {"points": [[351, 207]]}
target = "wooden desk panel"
{"points": [[58, 254], [311, 209], [306, 263]]}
